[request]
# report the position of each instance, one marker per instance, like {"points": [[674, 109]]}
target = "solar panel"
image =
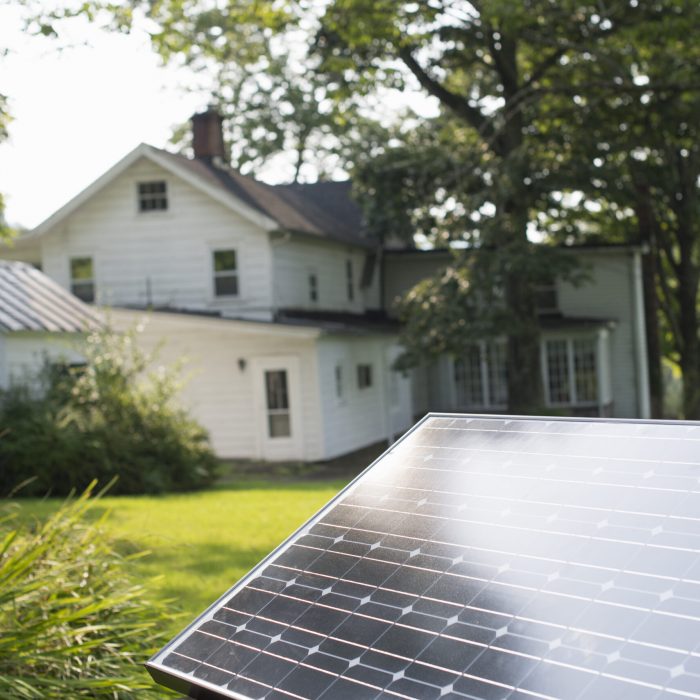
{"points": [[480, 557]]}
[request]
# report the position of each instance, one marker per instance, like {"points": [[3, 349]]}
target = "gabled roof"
{"points": [[30, 301], [322, 210]]}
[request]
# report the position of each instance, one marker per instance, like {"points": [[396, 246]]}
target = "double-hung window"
{"points": [[82, 278], [225, 273], [480, 376], [313, 287], [571, 371]]}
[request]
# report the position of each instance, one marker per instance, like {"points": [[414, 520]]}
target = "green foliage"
{"points": [[113, 417], [72, 623]]}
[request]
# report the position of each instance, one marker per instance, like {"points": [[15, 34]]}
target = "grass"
{"points": [[201, 543]]}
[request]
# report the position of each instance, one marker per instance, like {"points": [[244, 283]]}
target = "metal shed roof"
{"points": [[30, 301]]}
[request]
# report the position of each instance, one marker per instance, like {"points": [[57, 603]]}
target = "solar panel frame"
{"points": [[204, 690]]}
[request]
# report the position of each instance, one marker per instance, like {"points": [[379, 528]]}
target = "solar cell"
{"points": [[480, 557]]}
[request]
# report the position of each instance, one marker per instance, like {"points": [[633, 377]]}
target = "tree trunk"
{"points": [[650, 271]]}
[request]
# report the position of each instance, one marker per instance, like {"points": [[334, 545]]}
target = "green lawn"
{"points": [[201, 543]]}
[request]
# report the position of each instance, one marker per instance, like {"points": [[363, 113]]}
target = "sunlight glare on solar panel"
{"points": [[480, 557]]}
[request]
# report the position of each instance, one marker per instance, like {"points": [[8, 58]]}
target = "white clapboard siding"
{"points": [[218, 392], [295, 258], [23, 354], [359, 417], [163, 258], [610, 293]]}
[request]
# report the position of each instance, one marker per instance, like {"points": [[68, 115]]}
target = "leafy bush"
{"points": [[72, 623], [112, 417]]}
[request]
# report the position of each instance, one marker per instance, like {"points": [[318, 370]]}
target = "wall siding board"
{"points": [[294, 258], [362, 416], [168, 251], [217, 392]]}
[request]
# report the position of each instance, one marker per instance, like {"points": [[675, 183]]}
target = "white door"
{"points": [[278, 407]]}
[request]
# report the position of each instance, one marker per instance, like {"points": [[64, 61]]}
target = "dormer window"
{"points": [[225, 273], [153, 196]]}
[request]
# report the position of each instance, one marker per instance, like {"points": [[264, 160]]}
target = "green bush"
{"points": [[72, 623], [111, 417]]}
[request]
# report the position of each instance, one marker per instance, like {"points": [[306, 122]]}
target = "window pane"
{"points": [[85, 291], [585, 370], [467, 378], [81, 269], [276, 387], [558, 371], [313, 287], [226, 286], [498, 382], [225, 261], [279, 425]]}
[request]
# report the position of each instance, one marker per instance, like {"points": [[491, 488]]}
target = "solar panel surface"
{"points": [[480, 557]]}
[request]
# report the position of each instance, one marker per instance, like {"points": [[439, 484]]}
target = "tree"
{"points": [[634, 142], [494, 68]]}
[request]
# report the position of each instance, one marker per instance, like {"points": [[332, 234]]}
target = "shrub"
{"points": [[72, 623], [111, 417]]}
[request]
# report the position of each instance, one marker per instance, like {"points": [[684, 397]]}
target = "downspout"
{"points": [[640, 339]]}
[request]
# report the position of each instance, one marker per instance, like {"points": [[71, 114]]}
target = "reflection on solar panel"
{"points": [[481, 557]]}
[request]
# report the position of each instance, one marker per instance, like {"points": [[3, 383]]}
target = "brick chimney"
{"points": [[207, 135]]}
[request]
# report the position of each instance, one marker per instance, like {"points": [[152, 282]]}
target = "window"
{"points": [[82, 278], [364, 376], [559, 385], [350, 280], [153, 196], [572, 375], [585, 375], [339, 388], [313, 287], [278, 417], [225, 273], [468, 379], [480, 376]]}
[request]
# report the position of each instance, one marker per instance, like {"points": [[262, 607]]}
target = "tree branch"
{"points": [[456, 103]]}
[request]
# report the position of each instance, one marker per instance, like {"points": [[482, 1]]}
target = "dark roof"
{"points": [[327, 321], [321, 209], [557, 321], [30, 301], [342, 322]]}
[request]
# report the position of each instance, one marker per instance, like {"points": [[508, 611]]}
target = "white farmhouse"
{"points": [[39, 322], [282, 306]]}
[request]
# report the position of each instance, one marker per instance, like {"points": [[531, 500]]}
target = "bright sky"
{"points": [[79, 110]]}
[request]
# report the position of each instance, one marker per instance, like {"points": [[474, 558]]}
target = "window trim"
{"points": [[225, 274], [151, 197], [570, 341]]}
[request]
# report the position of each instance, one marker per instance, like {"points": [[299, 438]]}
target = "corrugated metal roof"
{"points": [[30, 301]]}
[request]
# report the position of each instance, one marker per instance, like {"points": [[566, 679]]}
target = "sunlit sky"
{"points": [[78, 110]]}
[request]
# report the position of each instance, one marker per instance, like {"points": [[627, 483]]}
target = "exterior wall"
{"points": [[163, 258], [612, 292], [361, 416], [219, 392], [22, 354], [295, 258]]}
